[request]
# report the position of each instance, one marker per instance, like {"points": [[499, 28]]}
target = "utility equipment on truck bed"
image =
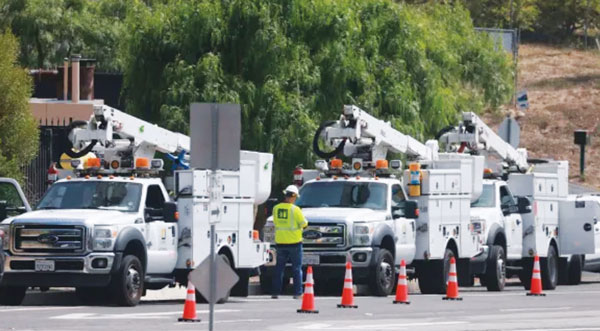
{"points": [[365, 212], [513, 231], [113, 228]]}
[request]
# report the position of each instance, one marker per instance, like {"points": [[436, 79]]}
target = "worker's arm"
{"points": [[302, 222]]}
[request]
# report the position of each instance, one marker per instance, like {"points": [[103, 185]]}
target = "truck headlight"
{"points": [[5, 236], [269, 233], [362, 235], [104, 238]]}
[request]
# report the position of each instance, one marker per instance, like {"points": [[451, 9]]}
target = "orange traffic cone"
{"points": [[452, 288], [536, 279], [189, 308], [402, 288], [348, 293], [308, 298]]}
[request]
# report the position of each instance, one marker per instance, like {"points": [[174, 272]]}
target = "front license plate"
{"points": [[44, 265], [310, 259]]}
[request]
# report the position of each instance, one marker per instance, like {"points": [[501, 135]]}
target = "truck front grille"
{"points": [[324, 235], [51, 239]]}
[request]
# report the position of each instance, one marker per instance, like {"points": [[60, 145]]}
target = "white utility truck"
{"points": [[366, 213], [516, 227], [114, 229]]}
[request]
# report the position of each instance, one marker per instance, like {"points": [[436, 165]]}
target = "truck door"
{"points": [[12, 199], [404, 228], [513, 223], [161, 237], [576, 223]]}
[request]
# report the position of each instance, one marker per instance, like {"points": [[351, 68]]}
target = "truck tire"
{"points": [[574, 269], [266, 282], [12, 296], [383, 274], [495, 276], [434, 275], [549, 266], [128, 282]]}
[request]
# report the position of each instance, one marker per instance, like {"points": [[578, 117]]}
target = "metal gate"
{"points": [[52, 145]]}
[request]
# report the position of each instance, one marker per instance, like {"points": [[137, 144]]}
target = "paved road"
{"points": [[574, 308]]}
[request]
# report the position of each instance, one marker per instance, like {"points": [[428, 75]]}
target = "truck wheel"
{"points": [[383, 274], [128, 282], [575, 267], [549, 266], [496, 269], [433, 277], [266, 282], [12, 296]]}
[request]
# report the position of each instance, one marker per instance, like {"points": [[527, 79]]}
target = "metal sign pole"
{"points": [[213, 191]]}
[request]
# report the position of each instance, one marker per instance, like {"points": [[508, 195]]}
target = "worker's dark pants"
{"points": [[294, 254]]}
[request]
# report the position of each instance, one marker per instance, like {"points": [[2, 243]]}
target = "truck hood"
{"points": [[347, 215], [76, 216]]}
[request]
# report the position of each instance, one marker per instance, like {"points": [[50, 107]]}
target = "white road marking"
{"points": [[373, 326], [156, 315], [534, 309], [8, 310], [567, 329], [205, 321]]}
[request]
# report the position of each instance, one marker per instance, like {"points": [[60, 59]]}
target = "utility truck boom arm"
{"points": [[367, 137], [480, 138], [141, 138]]}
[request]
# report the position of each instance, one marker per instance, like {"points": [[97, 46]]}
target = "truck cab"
{"points": [[367, 221], [98, 234]]}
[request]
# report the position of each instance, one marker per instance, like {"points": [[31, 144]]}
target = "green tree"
{"points": [[50, 30], [18, 130], [292, 64]]}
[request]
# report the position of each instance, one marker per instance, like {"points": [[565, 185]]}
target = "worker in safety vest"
{"points": [[289, 222]]}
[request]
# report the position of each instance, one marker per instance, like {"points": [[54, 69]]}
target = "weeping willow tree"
{"points": [[293, 63]]}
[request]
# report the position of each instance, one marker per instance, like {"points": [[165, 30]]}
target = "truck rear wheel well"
{"points": [[452, 246], [388, 243], [136, 248], [227, 252]]}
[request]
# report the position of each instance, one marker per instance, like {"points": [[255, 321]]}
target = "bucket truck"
{"points": [[114, 229], [517, 227], [374, 214]]}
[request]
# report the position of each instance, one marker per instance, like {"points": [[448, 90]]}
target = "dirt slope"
{"points": [[563, 86]]}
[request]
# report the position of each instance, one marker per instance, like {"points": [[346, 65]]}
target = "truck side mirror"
{"points": [[152, 214], [170, 213], [3, 212], [411, 209], [524, 205]]}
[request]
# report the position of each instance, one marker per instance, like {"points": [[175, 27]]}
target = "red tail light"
{"points": [[298, 181]]}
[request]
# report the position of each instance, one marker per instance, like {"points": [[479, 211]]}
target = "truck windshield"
{"points": [[93, 195], [343, 194], [486, 199]]}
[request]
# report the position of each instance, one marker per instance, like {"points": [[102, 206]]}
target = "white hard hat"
{"points": [[292, 189]]}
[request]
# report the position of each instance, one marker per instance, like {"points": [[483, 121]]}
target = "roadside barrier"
{"points": [[348, 292], [189, 308], [452, 288], [536, 279], [402, 288], [308, 298]]}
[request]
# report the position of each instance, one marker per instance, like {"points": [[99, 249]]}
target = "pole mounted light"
{"points": [[582, 138]]}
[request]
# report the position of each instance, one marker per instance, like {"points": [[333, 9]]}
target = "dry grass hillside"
{"points": [[563, 86]]}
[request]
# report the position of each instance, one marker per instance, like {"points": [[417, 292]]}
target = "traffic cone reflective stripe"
{"points": [[308, 298], [348, 293], [189, 308], [402, 288], [536, 279], [452, 286]]}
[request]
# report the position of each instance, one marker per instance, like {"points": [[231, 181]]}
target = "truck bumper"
{"points": [[332, 264], [93, 269]]}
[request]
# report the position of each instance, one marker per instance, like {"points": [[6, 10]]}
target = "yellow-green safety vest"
{"points": [[289, 222]]}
